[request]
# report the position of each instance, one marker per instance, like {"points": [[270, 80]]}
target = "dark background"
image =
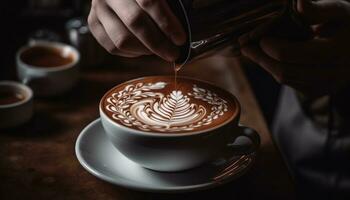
{"points": [[21, 18]]}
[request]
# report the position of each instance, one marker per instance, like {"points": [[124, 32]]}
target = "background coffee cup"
{"points": [[44, 80], [17, 112], [80, 36], [171, 152]]}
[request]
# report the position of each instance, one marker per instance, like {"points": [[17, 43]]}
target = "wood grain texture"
{"points": [[37, 160]]}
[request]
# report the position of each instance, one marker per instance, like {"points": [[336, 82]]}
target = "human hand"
{"points": [[317, 66], [132, 28]]}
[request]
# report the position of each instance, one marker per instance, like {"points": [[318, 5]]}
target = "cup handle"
{"points": [[30, 78], [247, 141], [26, 81]]}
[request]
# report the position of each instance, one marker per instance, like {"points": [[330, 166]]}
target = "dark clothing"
{"points": [[314, 137]]}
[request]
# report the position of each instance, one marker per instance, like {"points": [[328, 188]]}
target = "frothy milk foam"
{"points": [[152, 104]]}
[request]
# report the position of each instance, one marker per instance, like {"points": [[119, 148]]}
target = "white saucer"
{"points": [[99, 157]]}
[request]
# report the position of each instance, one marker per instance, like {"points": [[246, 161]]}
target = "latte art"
{"points": [[149, 107], [170, 112]]}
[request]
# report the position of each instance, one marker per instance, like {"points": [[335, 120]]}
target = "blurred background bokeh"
{"points": [[23, 20]]}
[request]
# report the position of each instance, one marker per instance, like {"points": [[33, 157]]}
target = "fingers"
{"points": [[162, 15], [134, 28], [230, 51], [284, 72], [316, 51], [319, 50], [307, 78], [142, 26], [257, 56], [99, 33], [256, 33], [278, 70], [102, 37], [121, 37], [322, 11]]}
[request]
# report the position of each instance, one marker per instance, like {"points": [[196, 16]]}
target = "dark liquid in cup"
{"points": [[41, 56], [10, 97]]}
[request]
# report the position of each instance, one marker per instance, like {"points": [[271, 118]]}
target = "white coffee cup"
{"points": [[49, 81], [19, 112], [170, 152]]}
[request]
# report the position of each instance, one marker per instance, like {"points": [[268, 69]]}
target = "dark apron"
{"points": [[318, 157]]}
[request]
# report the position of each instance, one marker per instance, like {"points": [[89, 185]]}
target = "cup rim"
{"points": [[49, 44], [28, 97], [234, 116]]}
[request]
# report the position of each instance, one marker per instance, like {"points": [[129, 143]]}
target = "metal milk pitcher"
{"points": [[214, 24]]}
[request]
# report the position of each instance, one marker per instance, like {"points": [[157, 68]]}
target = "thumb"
{"points": [[322, 11]]}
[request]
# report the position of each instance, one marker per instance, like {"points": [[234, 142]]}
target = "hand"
{"points": [[132, 28], [317, 66]]}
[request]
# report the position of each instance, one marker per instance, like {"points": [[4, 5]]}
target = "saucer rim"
{"points": [[129, 184]]}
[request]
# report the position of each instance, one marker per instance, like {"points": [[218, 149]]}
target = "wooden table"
{"points": [[37, 160]]}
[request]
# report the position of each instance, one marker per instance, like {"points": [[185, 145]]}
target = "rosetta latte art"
{"points": [[142, 107]]}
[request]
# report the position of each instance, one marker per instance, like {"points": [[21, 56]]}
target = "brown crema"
{"points": [[151, 104], [9, 97], [42, 56]]}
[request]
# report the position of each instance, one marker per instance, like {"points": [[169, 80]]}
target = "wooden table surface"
{"points": [[37, 160]]}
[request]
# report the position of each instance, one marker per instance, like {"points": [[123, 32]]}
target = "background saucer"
{"points": [[99, 157]]}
